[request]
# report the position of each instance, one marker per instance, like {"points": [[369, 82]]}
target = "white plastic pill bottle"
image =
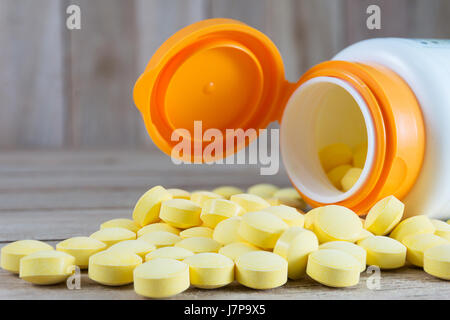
{"points": [[389, 96]]}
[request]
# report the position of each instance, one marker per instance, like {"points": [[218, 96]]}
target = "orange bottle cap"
{"points": [[220, 72]]}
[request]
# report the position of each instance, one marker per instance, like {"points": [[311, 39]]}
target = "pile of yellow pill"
{"points": [[259, 238], [342, 164]]}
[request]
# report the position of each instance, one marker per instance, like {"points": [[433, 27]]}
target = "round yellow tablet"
{"points": [[289, 215], [273, 201], [227, 231], [210, 270], [261, 270], [294, 245], [356, 251], [416, 224], [335, 155], [161, 278], [236, 249], [335, 175], [384, 252], [263, 190], [384, 216], [159, 226], [290, 197], [442, 229], [147, 207], [81, 248], [181, 213], [227, 191], [261, 229], [199, 244], [337, 223], [14, 251], [364, 234], [46, 267], [199, 197], [111, 236], [179, 193], [436, 261], [350, 178], [139, 247], [333, 268], [176, 253], [121, 223], [249, 202], [418, 243], [310, 217], [113, 267], [160, 238], [216, 210], [197, 232]]}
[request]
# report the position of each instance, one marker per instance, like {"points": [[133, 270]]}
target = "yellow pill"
{"points": [[384, 252], [81, 248], [159, 226], [236, 249], [364, 234], [384, 216], [413, 225], [113, 267], [294, 245], [335, 175], [227, 231], [216, 210], [273, 201], [169, 253], [359, 156], [121, 223], [46, 267], [335, 155], [181, 213], [14, 251], [337, 223], [261, 270], [333, 268], [179, 193], [263, 190], [436, 261], [199, 244], [199, 197], [354, 250], [350, 178], [290, 197], [227, 191], [197, 232], [139, 247], [160, 238], [418, 243], [442, 229], [249, 202], [261, 229], [161, 278], [111, 236], [288, 214], [147, 207], [210, 270], [310, 217]]}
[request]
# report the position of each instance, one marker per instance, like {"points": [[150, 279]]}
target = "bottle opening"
{"points": [[327, 133]]}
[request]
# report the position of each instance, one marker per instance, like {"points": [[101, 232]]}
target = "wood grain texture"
{"points": [[61, 194], [32, 101]]}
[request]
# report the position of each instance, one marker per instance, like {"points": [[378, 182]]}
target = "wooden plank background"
{"points": [[72, 89]]}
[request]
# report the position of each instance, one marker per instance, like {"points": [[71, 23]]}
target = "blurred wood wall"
{"points": [[71, 89]]}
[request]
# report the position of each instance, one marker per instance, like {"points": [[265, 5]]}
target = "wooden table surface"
{"points": [[54, 195]]}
